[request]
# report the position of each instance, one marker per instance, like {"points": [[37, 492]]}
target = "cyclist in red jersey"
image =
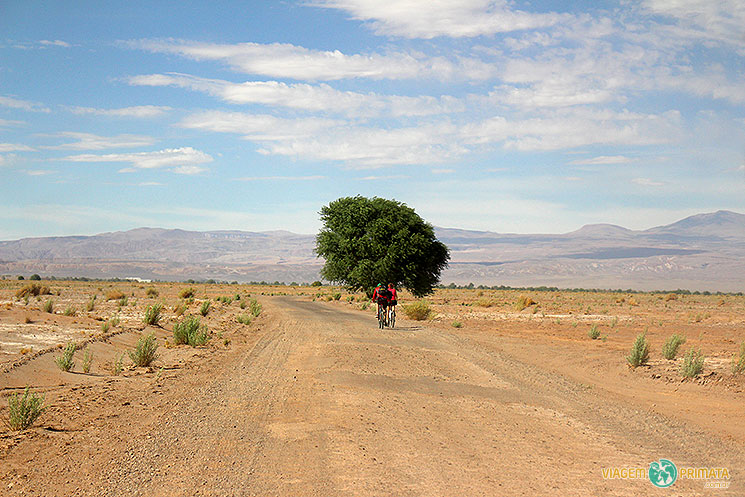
{"points": [[380, 297], [392, 299]]}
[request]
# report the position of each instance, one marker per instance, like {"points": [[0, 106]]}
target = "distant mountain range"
{"points": [[701, 252]]}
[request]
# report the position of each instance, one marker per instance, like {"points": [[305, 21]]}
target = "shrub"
{"points": [[48, 306], [254, 307], [65, 362], [105, 326], [24, 409], [336, 296], [115, 320], [243, 319], [418, 311], [152, 314], [186, 293], [117, 364], [91, 304], [316, 283], [457, 324], [670, 348], [114, 295], [32, 290], [180, 309], [639, 351], [144, 352], [70, 311], [205, 308], [190, 331], [594, 332], [693, 363], [738, 362], [123, 301], [151, 292], [524, 302], [34, 277], [87, 360]]}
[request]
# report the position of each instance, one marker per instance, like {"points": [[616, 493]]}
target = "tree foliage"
{"points": [[369, 241]]}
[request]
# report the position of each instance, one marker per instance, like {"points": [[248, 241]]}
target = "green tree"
{"points": [[369, 241]]}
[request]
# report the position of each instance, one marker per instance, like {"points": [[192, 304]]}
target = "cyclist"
{"points": [[392, 300], [380, 297]]}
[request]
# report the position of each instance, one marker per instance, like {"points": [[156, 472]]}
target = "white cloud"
{"points": [[5, 123], [603, 159], [259, 127], [182, 160], [647, 182], [432, 18], [189, 170], [318, 98], [281, 178], [15, 147], [443, 171], [38, 172], [89, 141], [720, 20], [15, 103], [55, 43], [140, 111], [281, 60]]}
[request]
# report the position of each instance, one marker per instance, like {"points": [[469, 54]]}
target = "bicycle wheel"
{"points": [[393, 318], [380, 319]]}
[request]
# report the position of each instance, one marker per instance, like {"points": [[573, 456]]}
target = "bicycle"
{"points": [[382, 317]]}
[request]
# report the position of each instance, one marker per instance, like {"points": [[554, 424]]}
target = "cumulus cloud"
{"points": [[282, 60], [433, 18], [15, 147], [281, 178], [55, 43], [139, 111], [15, 103], [603, 159], [182, 160], [647, 182], [316, 98], [89, 141]]}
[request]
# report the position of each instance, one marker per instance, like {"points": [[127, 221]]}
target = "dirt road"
{"points": [[320, 402]]}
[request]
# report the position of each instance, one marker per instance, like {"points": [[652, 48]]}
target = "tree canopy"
{"points": [[369, 241]]}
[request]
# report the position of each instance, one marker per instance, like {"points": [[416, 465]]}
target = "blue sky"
{"points": [[506, 116]]}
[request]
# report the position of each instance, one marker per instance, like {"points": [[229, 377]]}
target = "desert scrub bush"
{"points": [[152, 314], [190, 331], [70, 311], [738, 360], [117, 364], [151, 293], [115, 320], [254, 307], [524, 302], [418, 311], [364, 306], [693, 363], [65, 362], [457, 324], [114, 295], [639, 351], [485, 303], [243, 319], [205, 308], [186, 293], [594, 332], [144, 352], [32, 290], [670, 348], [91, 304], [24, 409], [48, 306], [336, 295], [180, 309], [87, 360]]}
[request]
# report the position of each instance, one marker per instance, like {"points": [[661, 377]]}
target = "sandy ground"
{"points": [[313, 399]]}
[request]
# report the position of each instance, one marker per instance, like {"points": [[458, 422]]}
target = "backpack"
{"points": [[383, 293]]}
